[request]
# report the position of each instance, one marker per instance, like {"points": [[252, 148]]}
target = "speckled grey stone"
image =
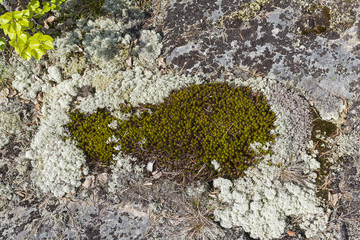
{"points": [[323, 66]]}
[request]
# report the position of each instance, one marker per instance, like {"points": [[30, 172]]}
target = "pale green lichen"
{"points": [[76, 64], [149, 49], [10, 124], [263, 201]]}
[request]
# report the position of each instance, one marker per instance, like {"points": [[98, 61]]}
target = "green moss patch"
{"points": [[315, 19], [186, 132], [92, 133], [249, 10], [322, 129], [86, 9]]}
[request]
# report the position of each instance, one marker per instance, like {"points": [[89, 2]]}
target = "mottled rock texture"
{"points": [[206, 37], [312, 47]]}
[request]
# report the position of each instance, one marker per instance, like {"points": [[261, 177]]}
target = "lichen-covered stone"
{"points": [[50, 166], [269, 45], [27, 79], [10, 124], [103, 41], [261, 204], [149, 48], [57, 165], [262, 201], [55, 74]]}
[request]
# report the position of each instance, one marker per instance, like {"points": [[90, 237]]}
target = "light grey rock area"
{"points": [[304, 56]]}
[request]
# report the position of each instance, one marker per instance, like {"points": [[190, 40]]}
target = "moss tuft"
{"points": [[322, 129], [91, 132], [315, 19], [190, 129], [248, 11], [88, 9]]}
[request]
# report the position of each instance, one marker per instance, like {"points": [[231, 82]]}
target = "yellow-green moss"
{"points": [[92, 133], [191, 128]]}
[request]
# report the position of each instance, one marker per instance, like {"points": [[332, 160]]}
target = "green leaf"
{"points": [[27, 13], [22, 49], [14, 44], [45, 41], [26, 54], [17, 14], [38, 53], [57, 2], [45, 37], [1, 1], [25, 23], [33, 5], [12, 35], [46, 7], [36, 36], [17, 44], [48, 45], [15, 27], [20, 42], [2, 44], [6, 28], [37, 11], [34, 43], [22, 39], [5, 18], [39, 15], [54, 7]]}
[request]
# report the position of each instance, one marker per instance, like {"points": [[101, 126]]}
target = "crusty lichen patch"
{"points": [[10, 124], [269, 195], [249, 10]]}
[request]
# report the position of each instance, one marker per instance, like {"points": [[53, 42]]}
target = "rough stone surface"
{"points": [[209, 42], [294, 43]]}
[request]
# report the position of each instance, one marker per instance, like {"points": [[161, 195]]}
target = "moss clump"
{"points": [[86, 9], [322, 129], [91, 132], [249, 10], [190, 129], [144, 4], [315, 19]]}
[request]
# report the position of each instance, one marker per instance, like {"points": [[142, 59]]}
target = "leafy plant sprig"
{"points": [[14, 25]]}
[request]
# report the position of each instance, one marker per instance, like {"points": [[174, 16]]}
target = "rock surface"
{"points": [[312, 47]]}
